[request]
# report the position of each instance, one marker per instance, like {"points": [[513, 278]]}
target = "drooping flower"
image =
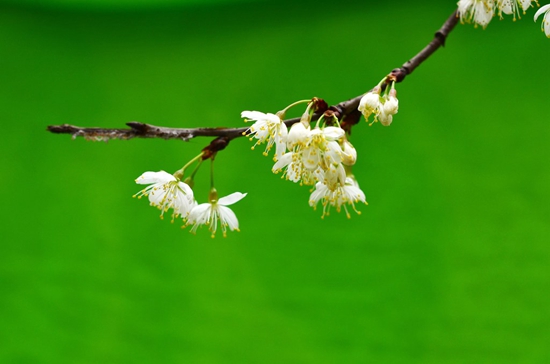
{"points": [[215, 211], [383, 107], [349, 154], [545, 26], [479, 11], [298, 135], [268, 128], [513, 7], [389, 108], [526, 4], [370, 102], [311, 150], [167, 192], [337, 195], [323, 148]]}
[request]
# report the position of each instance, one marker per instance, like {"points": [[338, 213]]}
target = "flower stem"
{"points": [[212, 173], [282, 113]]}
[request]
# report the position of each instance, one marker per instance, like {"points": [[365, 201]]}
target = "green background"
{"points": [[449, 262]]}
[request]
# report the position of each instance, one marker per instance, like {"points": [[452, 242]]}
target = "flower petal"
{"points": [[252, 115], [200, 214], [228, 216], [155, 177], [231, 199]]}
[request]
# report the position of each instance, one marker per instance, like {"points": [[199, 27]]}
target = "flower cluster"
{"points": [[167, 191], [480, 12], [320, 156], [383, 105]]}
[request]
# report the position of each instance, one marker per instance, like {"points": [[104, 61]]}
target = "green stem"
{"points": [[282, 113], [212, 173], [180, 172]]}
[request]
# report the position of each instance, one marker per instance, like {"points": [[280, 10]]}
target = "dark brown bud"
{"points": [[319, 105], [215, 146]]}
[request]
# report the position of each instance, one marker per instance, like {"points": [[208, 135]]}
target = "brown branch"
{"points": [[346, 110], [141, 130]]}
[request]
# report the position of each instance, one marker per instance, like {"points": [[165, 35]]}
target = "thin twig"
{"points": [[345, 110]]}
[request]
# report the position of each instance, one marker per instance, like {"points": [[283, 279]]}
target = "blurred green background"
{"points": [[449, 263]]}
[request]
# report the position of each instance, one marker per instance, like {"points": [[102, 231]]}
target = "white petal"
{"points": [[349, 154], [272, 118], [294, 172], [333, 153], [333, 132], [252, 115], [311, 157], [298, 134], [156, 195], [320, 192], [525, 4], [231, 199], [155, 177], [391, 105], [464, 6], [184, 187], [200, 214], [282, 162], [369, 101], [228, 216], [541, 10], [385, 119]]}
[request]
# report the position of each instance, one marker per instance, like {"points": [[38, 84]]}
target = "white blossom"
{"points": [[545, 20], [370, 102], [391, 104], [311, 150], [349, 154], [388, 108], [338, 195], [385, 119], [525, 4], [268, 128], [513, 7], [298, 135], [167, 192], [216, 211], [382, 106], [479, 11]]}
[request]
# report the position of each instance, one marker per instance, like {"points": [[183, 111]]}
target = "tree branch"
{"points": [[345, 111]]}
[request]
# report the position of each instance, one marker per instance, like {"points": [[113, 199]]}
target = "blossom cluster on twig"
{"points": [[319, 156], [480, 12], [313, 150]]}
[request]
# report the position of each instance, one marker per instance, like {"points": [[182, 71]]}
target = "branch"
{"points": [[345, 110], [141, 130]]}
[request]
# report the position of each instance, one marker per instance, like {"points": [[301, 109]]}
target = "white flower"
{"points": [[389, 108], [385, 119], [349, 154], [216, 211], [167, 192], [383, 107], [370, 102], [312, 149], [267, 128], [513, 7], [337, 195], [525, 4], [293, 168], [323, 148], [546, 19], [480, 11], [391, 104], [298, 135], [507, 6]]}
